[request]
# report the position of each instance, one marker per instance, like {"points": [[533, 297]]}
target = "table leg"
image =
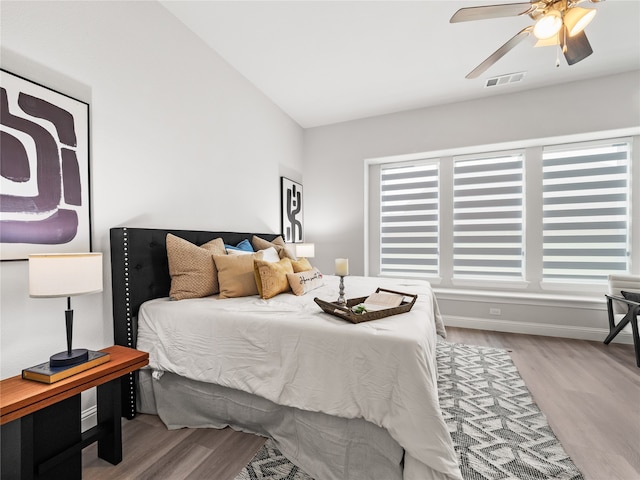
{"points": [[16, 456], [109, 412], [44, 445]]}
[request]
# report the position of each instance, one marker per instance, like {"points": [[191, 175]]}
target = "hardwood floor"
{"points": [[150, 451], [590, 393]]}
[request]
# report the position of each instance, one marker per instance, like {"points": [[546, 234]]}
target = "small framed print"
{"points": [[292, 224], [44, 148]]}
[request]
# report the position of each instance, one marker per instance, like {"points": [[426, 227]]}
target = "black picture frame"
{"points": [[291, 211], [45, 200]]}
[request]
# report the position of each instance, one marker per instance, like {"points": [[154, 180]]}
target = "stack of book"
{"points": [[46, 374]]}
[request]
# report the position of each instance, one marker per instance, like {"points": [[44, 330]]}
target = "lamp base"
{"points": [[63, 359]]}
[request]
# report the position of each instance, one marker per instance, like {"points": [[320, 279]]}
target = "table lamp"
{"points": [[306, 250], [65, 275]]}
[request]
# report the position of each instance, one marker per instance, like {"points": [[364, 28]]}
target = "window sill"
{"points": [[506, 284], [431, 280], [522, 298], [575, 287]]}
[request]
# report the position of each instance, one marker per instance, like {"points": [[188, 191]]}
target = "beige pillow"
{"points": [[304, 282], [235, 274], [301, 265], [268, 254], [290, 251], [193, 272], [271, 277], [278, 243], [238, 252]]}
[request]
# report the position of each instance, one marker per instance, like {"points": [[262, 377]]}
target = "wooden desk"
{"points": [[41, 428]]}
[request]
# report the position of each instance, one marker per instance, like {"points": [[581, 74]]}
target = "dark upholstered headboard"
{"points": [[140, 272]]}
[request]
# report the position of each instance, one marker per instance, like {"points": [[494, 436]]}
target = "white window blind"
{"points": [[586, 211], [488, 217], [409, 220]]}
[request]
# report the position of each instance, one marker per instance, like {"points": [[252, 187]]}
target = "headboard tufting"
{"points": [[140, 272]]}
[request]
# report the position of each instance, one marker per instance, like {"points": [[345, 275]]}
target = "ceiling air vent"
{"points": [[505, 79]]}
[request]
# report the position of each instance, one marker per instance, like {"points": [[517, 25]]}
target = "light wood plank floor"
{"points": [[590, 393]]}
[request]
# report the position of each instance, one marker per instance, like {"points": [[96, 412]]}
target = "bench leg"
{"points": [[109, 412], [617, 328], [636, 336]]}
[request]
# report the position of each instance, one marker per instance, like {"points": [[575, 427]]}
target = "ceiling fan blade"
{"points": [[576, 48], [492, 11], [501, 52]]}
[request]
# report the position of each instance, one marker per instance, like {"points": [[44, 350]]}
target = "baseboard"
{"points": [[89, 418], [530, 328]]}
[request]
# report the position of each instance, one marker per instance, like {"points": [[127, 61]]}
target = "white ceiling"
{"points": [[325, 62]]}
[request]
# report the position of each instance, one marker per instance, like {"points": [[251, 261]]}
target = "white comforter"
{"points": [[290, 352]]}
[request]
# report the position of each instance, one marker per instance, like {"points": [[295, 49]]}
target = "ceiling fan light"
{"points": [[576, 19], [548, 42], [548, 25]]}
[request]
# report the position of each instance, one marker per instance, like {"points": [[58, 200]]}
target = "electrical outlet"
{"points": [[495, 311]]}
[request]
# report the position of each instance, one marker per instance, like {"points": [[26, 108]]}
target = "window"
{"points": [[585, 211], [488, 217], [409, 220], [537, 218]]}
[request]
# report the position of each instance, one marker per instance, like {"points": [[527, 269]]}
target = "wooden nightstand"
{"points": [[40, 423]]}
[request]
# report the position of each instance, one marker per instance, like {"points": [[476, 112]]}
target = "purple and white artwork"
{"points": [[291, 215], [44, 167]]}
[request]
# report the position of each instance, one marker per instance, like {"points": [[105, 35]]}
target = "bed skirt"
{"points": [[324, 446]]}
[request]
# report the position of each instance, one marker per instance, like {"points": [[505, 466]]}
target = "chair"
{"points": [[622, 310]]}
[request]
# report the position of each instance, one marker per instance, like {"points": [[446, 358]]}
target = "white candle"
{"points": [[342, 266]]}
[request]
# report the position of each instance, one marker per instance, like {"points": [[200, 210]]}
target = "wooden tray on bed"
{"points": [[346, 313]]}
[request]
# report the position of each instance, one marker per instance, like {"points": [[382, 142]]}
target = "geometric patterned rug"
{"points": [[497, 429], [270, 464], [498, 432]]}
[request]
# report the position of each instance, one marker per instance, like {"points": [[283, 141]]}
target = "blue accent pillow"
{"points": [[244, 245]]}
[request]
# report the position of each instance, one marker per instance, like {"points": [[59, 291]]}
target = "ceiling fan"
{"points": [[557, 22]]}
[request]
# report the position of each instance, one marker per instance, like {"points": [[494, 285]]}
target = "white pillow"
{"points": [[238, 252], [304, 282], [270, 255]]}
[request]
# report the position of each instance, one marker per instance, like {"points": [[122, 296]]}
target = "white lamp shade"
{"points": [[548, 42], [65, 274], [548, 25], [307, 250], [576, 19]]}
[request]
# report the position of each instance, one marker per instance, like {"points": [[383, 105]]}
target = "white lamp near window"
{"points": [[65, 275]]}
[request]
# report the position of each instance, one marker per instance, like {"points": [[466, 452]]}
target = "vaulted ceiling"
{"points": [[325, 62]]}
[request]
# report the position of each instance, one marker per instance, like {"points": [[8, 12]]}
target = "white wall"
{"points": [[334, 188], [178, 139]]}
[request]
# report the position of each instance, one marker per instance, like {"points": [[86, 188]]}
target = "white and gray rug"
{"points": [[497, 429]]}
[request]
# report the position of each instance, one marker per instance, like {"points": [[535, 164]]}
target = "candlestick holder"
{"points": [[341, 300]]}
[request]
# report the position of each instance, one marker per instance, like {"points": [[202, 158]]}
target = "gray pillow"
{"points": [[633, 296]]}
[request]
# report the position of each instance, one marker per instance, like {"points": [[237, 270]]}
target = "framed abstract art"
{"points": [[292, 225], [44, 160]]}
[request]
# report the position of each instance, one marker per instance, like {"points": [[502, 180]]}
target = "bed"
{"points": [[341, 400]]}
